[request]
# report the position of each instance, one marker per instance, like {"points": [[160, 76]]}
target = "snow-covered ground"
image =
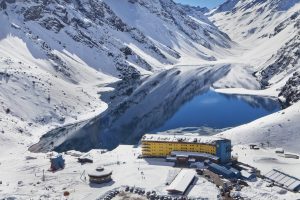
{"points": [[17, 168], [34, 97], [280, 129], [150, 174], [265, 159], [22, 174], [54, 79]]}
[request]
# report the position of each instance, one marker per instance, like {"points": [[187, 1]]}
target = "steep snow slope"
{"points": [[183, 31], [121, 38], [267, 32], [55, 56], [34, 94], [280, 129], [247, 20]]}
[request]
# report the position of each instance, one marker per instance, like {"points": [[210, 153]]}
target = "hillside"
{"points": [[96, 75], [57, 56], [109, 38], [267, 32]]}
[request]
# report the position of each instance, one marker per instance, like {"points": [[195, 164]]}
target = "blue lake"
{"points": [[127, 123], [217, 110]]}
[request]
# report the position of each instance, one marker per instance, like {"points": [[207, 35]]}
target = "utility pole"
{"points": [[43, 177]]}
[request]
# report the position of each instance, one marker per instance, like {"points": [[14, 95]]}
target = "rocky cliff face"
{"points": [[290, 93], [283, 63], [95, 31]]}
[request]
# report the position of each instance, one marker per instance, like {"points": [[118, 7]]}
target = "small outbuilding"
{"points": [[252, 146], [85, 159], [57, 162], [248, 176], [100, 175], [279, 150]]}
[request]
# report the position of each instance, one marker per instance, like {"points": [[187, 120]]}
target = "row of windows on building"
{"points": [[177, 145], [182, 147], [161, 151]]}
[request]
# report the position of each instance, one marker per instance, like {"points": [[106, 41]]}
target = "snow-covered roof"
{"points": [[286, 180], [103, 173], [279, 150], [182, 138], [246, 174], [182, 181], [294, 185]]}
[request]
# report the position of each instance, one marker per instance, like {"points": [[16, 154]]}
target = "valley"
{"points": [[88, 75]]}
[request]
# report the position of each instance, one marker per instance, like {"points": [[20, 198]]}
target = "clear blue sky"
{"points": [[202, 3]]}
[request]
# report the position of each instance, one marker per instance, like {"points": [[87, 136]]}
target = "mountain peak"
{"points": [[236, 5]]}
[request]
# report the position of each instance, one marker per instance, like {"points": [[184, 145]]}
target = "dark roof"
{"points": [[195, 154], [230, 173]]}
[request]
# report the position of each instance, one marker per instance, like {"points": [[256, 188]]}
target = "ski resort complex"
{"points": [[155, 145]]}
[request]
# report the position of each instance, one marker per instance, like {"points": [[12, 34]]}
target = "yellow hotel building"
{"points": [[155, 145]]}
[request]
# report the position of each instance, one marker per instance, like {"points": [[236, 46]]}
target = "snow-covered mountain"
{"points": [[268, 30], [56, 55], [74, 71], [119, 38]]}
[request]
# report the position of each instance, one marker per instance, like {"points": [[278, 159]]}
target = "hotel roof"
{"points": [[182, 138]]}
